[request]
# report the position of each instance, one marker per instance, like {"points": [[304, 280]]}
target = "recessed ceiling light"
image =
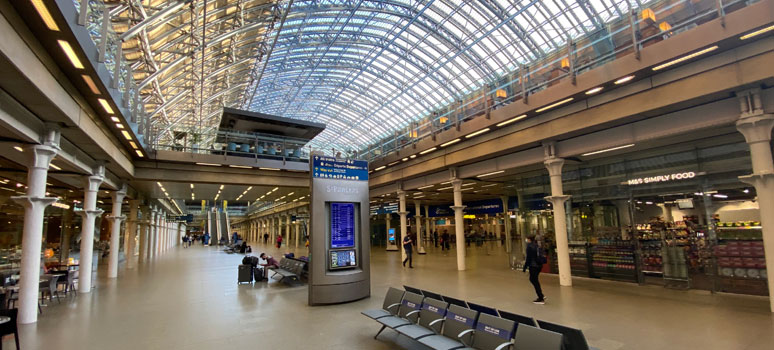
{"points": [[105, 105], [241, 166], [476, 133], [45, 15], [757, 32], [512, 120], [18, 148], [393, 163], [119, 125], [208, 164], [70, 53], [272, 169], [139, 153], [469, 184], [624, 79], [594, 90], [492, 173], [380, 168], [413, 156], [126, 135], [490, 185], [608, 150], [445, 188], [405, 159], [134, 145], [425, 187], [451, 142], [554, 105], [55, 167], [90, 83], [685, 58], [115, 119], [428, 150]]}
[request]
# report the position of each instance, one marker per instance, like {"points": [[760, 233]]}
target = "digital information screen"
{"points": [[342, 225], [343, 259]]}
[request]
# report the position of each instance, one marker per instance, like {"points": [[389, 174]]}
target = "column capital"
{"points": [[401, 194], [554, 165], [89, 214], [458, 207], [756, 128], [557, 200], [34, 202], [403, 213], [457, 184], [40, 156], [116, 219], [759, 181]]}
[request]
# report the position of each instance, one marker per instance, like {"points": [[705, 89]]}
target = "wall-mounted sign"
{"points": [[342, 169], [663, 178], [468, 216]]}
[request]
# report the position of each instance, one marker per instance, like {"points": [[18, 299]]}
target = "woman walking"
{"points": [[535, 262]]}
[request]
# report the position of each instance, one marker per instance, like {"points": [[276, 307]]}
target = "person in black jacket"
{"points": [[535, 263]]}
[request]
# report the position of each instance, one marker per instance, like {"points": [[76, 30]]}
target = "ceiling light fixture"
{"points": [[45, 15], [413, 156], [105, 105], [492, 173], [380, 168], [428, 150], [55, 167], [208, 164], [139, 153], [757, 32], [240, 166], [608, 150], [274, 189], [119, 125], [90, 83], [192, 186], [393, 163], [405, 159], [68, 51], [127, 135], [272, 169], [469, 184], [685, 58], [624, 80], [476, 133], [18, 148], [221, 187], [422, 196], [451, 142], [424, 187], [594, 90], [445, 188], [490, 185], [718, 195], [512, 120], [542, 109], [115, 119]]}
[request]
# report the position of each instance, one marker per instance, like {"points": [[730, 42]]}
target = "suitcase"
{"points": [[245, 274], [258, 273]]}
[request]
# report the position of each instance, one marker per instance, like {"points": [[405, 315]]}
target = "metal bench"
{"points": [[289, 270]]}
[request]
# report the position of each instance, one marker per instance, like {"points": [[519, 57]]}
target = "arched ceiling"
{"points": [[366, 68]]}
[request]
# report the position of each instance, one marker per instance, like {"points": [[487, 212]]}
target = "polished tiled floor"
{"points": [[189, 299]]}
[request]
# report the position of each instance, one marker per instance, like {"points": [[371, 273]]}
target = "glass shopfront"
{"points": [[676, 216]]}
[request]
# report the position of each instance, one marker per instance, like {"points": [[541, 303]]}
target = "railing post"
{"points": [[127, 85], [117, 69], [83, 13], [104, 35], [721, 13], [522, 80], [635, 31], [136, 108], [571, 59]]}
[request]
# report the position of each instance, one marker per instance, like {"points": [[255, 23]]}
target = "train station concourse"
{"points": [[387, 174]]}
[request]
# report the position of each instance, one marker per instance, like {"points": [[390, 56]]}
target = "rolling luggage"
{"points": [[245, 274], [258, 273]]}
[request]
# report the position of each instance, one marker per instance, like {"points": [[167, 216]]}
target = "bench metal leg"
{"points": [[380, 331]]}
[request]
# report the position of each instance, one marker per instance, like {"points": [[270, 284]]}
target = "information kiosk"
{"points": [[339, 240]]}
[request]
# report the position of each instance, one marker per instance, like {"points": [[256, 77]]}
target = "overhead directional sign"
{"points": [[342, 169]]}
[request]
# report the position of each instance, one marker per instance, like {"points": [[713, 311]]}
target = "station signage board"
{"points": [[341, 169], [686, 175]]}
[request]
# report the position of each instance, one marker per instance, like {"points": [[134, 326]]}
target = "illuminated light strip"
{"points": [[134, 145], [624, 79], [18, 148], [422, 196], [490, 185], [428, 150], [393, 163], [608, 150], [90, 83], [45, 15], [405, 159], [492, 173], [240, 166], [685, 58], [476, 133], [757, 32], [380, 168], [451, 142], [513, 120], [424, 187], [55, 167], [594, 90], [115, 119], [119, 125], [139, 153], [445, 188], [465, 189], [469, 184], [105, 105], [272, 169], [127, 135], [554, 105], [68, 51], [208, 164], [413, 156]]}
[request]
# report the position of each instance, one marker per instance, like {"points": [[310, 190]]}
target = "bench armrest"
{"points": [[392, 306], [464, 333], [431, 324], [504, 346], [415, 312]]}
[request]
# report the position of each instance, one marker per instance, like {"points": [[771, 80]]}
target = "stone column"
{"points": [[557, 199], [387, 219], [144, 234], [88, 214], [152, 232], [287, 237], [159, 233], [428, 231], [297, 227], [498, 231], [403, 224], [34, 202], [459, 224], [67, 236], [115, 232], [131, 233], [420, 242], [756, 126]]}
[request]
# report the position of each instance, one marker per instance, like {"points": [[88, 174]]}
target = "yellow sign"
{"points": [[469, 216], [204, 204], [225, 205]]}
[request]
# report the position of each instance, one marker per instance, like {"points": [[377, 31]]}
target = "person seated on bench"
{"points": [[243, 247], [271, 263]]}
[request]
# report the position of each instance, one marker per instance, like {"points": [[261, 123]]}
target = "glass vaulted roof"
{"points": [[366, 68]]}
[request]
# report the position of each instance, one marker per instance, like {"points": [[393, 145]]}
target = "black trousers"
{"points": [[534, 271], [409, 259]]}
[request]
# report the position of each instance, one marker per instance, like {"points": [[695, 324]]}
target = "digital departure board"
{"points": [[342, 225]]}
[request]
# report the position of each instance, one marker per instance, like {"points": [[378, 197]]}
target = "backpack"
{"points": [[541, 256]]}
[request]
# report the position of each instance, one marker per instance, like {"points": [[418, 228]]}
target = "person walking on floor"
{"points": [[534, 263], [279, 241], [409, 249], [265, 238]]}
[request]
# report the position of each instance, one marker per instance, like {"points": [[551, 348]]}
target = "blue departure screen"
{"points": [[342, 225]]}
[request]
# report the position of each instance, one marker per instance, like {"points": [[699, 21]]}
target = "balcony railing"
{"points": [[655, 21], [242, 144]]}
